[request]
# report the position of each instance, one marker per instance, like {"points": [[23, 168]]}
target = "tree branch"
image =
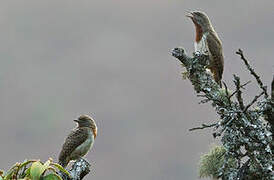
{"points": [[227, 94], [240, 52], [241, 86], [203, 126], [253, 101], [78, 171], [239, 127], [239, 92]]}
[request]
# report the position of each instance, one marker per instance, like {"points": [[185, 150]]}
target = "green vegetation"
{"points": [[35, 170], [211, 163]]}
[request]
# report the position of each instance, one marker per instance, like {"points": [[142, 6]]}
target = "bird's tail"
{"points": [[217, 77]]}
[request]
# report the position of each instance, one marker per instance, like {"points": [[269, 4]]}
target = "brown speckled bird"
{"points": [[207, 42], [79, 141]]}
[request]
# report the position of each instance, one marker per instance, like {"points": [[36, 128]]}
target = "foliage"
{"points": [[211, 163], [35, 170]]}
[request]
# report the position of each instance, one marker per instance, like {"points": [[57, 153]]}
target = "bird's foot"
{"points": [[178, 52]]}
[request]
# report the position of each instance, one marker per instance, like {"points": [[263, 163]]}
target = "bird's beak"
{"points": [[189, 14], [76, 120]]}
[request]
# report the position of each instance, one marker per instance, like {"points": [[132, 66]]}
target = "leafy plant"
{"points": [[35, 170]]}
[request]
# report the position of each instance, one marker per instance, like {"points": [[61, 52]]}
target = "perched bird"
{"points": [[207, 42], [79, 141]]}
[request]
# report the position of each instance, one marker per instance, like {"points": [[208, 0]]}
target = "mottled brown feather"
{"points": [[217, 59], [81, 134]]}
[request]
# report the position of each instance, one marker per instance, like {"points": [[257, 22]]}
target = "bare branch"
{"points": [[203, 126], [240, 52], [253, 101], [241, 86]]}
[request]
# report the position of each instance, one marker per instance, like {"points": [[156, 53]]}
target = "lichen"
{"points": [[245, 136]]}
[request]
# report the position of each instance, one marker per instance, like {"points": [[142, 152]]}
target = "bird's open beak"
{"points": [[189, 14]]}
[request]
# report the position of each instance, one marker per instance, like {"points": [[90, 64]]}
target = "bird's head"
{"points": [[87, 121], [200, 18]]}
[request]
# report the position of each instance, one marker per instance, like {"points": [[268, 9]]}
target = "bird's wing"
{"points": [[215, 48], [81, 134]]}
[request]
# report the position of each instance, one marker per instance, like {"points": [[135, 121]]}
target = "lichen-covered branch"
{"points": [[244, 135], [268, 107], [78, 171], [239, 92], [201, 81]]}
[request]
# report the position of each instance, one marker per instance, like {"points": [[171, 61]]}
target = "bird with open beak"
{"points": [[207, 42]]}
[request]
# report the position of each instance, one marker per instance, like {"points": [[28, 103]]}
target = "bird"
{"points": [[207, 42], [79, 141]]}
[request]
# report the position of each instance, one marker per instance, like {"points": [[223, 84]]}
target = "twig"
{"points": [[253, 101], [241, 86], [227, 95], [204, 101], [243, 170], [240, 52], [203, 127], [239, 92]]}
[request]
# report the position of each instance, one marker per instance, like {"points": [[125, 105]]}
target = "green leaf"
{"points": [[9, 174], [52, 177], [47, 163], [45, 166], [11, 171], [27, 172], [58, 166], [36, 170], [26, 162], [23, 168]]}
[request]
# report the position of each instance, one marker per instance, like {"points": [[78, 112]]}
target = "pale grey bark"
{"points": [[78, 171]]}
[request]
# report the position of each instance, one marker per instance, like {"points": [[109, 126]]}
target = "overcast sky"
{"points": [[111, 59]]}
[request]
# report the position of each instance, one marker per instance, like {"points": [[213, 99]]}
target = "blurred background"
{"points": [[111, 59]]}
